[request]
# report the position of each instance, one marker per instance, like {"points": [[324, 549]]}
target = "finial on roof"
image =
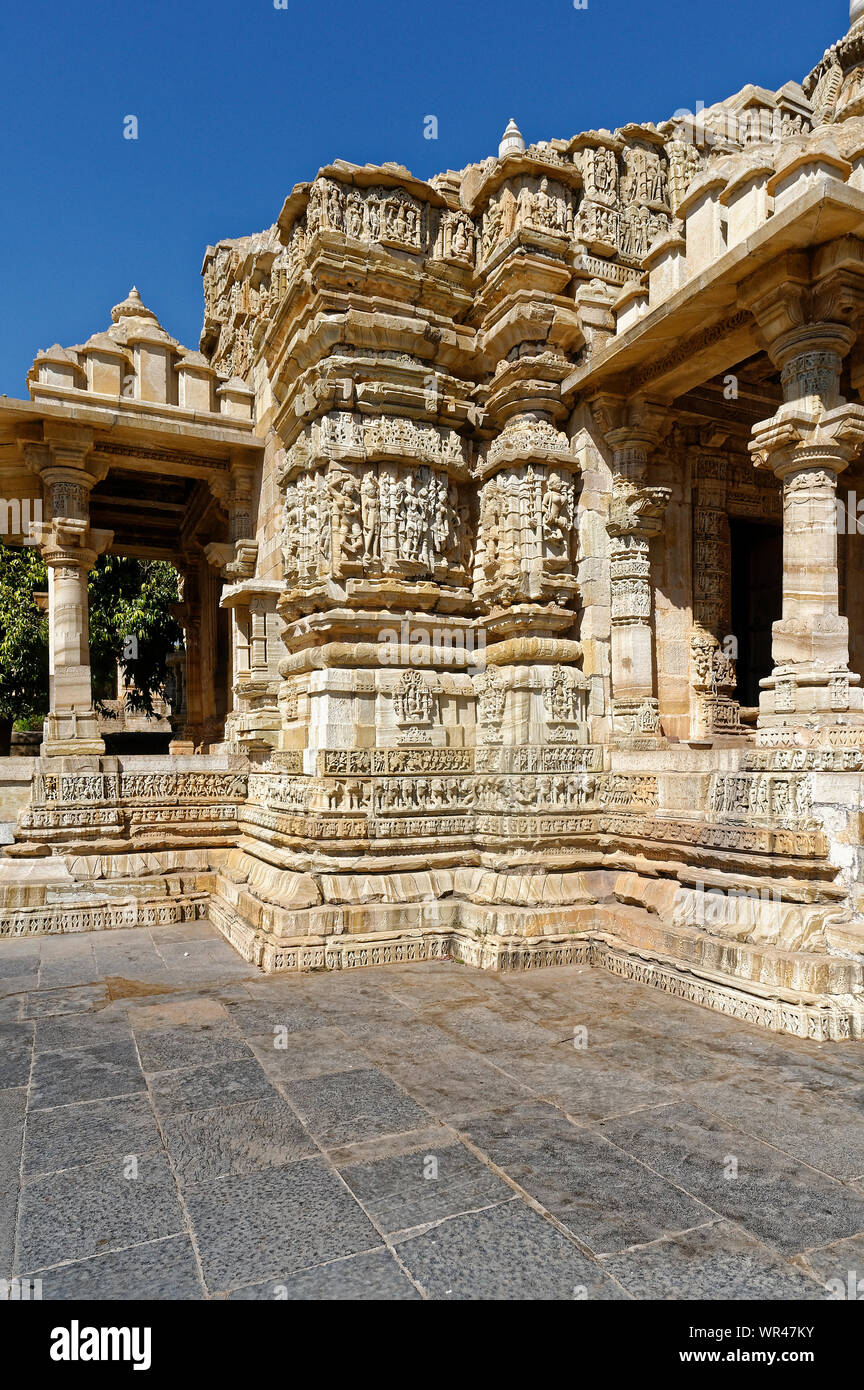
{"points": [[132, 308], [512, 141]]}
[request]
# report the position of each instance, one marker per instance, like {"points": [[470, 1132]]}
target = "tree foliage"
{"points": [[23, 635], [131, 622]]}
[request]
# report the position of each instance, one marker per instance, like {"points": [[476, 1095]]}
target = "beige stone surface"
{"points": [[478, 488]]}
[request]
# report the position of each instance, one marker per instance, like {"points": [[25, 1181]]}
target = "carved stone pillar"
{"points": [[811, 439], [712, 667], [70, 547], [635, 516]]}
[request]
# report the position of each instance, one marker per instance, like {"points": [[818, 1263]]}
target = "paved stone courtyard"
{"points": [[174, 1124]]}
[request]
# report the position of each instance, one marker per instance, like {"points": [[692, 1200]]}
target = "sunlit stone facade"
{"points": [[523, 586]]}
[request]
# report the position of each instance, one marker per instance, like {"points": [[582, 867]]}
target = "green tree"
{"points": [[131, 622], [23, 640]]}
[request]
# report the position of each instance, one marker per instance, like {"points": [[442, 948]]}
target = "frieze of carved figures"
{"points": [[414, 701], [537, 204], [386, 215], [781, 799], [712, 669], [491, 694], [376, 520], [458, 238], [644, 177], [564, 696], [600, 176], [142, 786], [346, 436], [684, 165], [528, 516], [630, 232], [635, 718]]}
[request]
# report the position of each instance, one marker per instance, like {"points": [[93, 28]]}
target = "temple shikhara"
{"points": [[517, 515]]}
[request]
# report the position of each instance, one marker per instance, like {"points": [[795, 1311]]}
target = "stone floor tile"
{"points": [[507, 1252], [162, 1269], [775, 1197], [16, 1052], [198, 1088], [73, 999], [256, 1227], [85, 1073], [244, 1138], [718, 1261], [95, 1208], [373, 1276], [87, 1132], [422, 1183], [599, 1193], [343, 1107]]}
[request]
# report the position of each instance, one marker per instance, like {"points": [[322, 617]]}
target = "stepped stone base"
{"points": [[562, 919]]}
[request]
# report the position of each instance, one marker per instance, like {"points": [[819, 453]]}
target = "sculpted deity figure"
{"points": [[371, 509], [492, 224], [460, 244], [345, 519], [556, 519], [354, 218]]}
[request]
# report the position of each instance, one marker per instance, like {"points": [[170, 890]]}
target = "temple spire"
{"points": [[856, 12]]}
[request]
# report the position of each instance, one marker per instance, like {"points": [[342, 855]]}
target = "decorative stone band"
{"points": [[831, 1020]]}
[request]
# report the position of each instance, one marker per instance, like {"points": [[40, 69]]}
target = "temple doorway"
{"points": [[757, 600]]}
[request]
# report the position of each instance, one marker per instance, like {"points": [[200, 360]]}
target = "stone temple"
{"points": [[518, 520]]}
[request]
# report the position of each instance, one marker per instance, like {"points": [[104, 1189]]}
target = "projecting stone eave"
{"points": [[702, 329]]}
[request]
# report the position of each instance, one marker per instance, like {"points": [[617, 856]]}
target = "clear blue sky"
{"points": [[236, 102]]}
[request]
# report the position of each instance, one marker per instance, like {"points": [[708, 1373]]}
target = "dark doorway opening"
{"points": [[757, 600]]}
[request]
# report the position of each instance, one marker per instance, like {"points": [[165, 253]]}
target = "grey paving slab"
{"points": [[161, 1270], [87, 1132], [251, 1228], [590, 1085], [16, 1051], [95, 1208], [14, 966], [85, 1073], [456, 1083], [507, 1252], [255, 1016], [312, 1052], [12, 1113], [244, 1138], [18, 987], [492, 1030], [719, 1261], [823, 1129], [72, 999], [343, 1107], [198, 1088], [361, 1278], [775, 1197], [422, 1183], [601, 1194], [839, 1269], [168, 1049], [65, 1032]]}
